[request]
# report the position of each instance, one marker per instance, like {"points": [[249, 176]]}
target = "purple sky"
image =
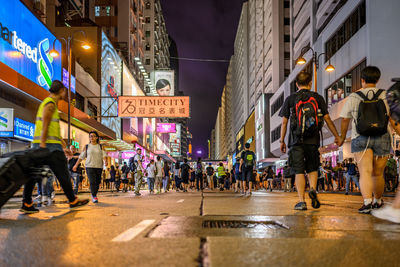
{"points": [[202, 29]]}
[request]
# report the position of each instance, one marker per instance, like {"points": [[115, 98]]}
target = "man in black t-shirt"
{"points": [[71, 163], [247, 164], [303, 149], [184, 174]]}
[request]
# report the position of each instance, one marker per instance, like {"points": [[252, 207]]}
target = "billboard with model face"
{"points": [[164, 81], [111, 65]]}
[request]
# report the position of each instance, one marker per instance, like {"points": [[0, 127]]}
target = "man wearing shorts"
{"points": [[304, 149], [210, 174], [247, 164], [184, 173]]}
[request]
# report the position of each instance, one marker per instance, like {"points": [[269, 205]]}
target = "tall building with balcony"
{"points": [[156, 54]]}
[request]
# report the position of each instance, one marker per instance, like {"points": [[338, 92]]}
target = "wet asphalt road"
{"points": [[192, 229]]}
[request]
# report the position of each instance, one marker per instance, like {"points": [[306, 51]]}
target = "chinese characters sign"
{"points": [[166, 128], [154, 106]]}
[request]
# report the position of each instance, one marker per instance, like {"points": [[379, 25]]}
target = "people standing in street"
{"points": [[151, 175], [199, 175], [47, 134], [270, 178], [138, 170], [221, 176], [287, 176], [210, 173], [72, 159], [124, 176], [184, 173], [238, 174], [166, 176], [247, 165], [307, 111], [391, 174], [95, 160], [113, 181], [368, 111], [159, 174], [351, 175], [192, 178], [177, 176]]}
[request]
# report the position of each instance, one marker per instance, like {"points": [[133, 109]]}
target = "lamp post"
{"points": [[315, 58], [54, 53]]}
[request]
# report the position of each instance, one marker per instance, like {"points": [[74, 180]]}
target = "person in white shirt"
{"points": [[94, 155], [159, 174], [151, 174], [138, 161]]}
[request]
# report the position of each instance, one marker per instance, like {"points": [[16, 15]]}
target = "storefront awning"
{"points": [[166, 156], [120, 145]]}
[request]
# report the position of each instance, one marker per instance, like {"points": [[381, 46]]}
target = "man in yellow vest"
{"points": [[48, 135], [221, 176]]}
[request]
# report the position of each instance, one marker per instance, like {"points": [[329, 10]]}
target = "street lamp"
{"points": [[54, 53], [315, 58]]}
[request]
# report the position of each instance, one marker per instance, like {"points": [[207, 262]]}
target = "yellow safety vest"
{"points": [[221, 171], [54, 132]]}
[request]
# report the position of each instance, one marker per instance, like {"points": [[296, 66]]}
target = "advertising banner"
{"points": [[154, 107], [166, 128], [175, 142], [110, 85], [23, 129], [164, 81], [25, 44], [65, 80], [6, 122]]}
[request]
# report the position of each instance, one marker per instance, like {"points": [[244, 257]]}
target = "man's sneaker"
{"points": [[53, 195], [28, 208], [387, 213], [301, 206], [365, 209], [137, 194], [44, 199], [314, 199], [95, 200], [49, 202], [377, 206], [250, 193], [78, 203]]}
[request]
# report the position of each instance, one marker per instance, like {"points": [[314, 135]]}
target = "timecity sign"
{"points": [[25, 44], [154, 106]]}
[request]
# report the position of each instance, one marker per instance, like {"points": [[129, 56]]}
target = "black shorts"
{"points": [[185, 179], [221, 179], [124, 181], [247, 175], [304, 158]]}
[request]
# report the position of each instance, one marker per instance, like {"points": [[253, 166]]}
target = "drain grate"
{"points": [[241, 224]]}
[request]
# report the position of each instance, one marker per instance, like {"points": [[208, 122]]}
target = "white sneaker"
{"points": [[49, 202], [44, 199], [387, 213], [53, 195]]}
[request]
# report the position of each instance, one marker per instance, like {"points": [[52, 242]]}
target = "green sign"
{"points": [[75, 144]]}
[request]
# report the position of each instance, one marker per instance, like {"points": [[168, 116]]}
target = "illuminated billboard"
{"points": [[154, 106], [25, 44], [166, 128], [111, 65], [175, 142], [164, 81]]}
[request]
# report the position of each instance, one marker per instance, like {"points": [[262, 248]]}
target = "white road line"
{"points": [[131, 233], [180, 200]]}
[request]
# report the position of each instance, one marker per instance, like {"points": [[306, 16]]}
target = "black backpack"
{"points": [[307, 119], [185, 169], [372, 118], [132, 165]]}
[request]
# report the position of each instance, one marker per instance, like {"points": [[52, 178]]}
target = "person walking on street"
{"points": [[151, 174], [166, 177], [368, 111], [124, 176], [184, 173], [307, 111], [95, 160], [287, 176], [159, 174], [238, 173], [138, 161], [177, 178], [47, 134], [247, 164], [270, 178], [72, 159], [210, 173], [351, 175], [199, 175], [221, 176]]}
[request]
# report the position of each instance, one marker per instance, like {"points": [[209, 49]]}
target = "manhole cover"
{"points": [[240, 224]]}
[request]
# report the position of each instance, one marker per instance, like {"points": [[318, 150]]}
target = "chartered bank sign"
{"points": [[25, 44]]}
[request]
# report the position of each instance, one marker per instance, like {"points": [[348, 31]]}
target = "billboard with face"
{"points": [[164, 81], [111, 65]]}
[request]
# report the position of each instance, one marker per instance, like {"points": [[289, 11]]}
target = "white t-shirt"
{"points": [[151, 169], [94, 156], [159, 166], [350, 108]]}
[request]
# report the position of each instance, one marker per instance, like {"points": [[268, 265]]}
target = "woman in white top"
{"points": [[94, 154]]}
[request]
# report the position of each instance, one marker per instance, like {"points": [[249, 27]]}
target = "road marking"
{"points": [[180, 200], [131, 233]]}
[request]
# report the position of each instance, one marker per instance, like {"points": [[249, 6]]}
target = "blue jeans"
{"points": [[165, 182], [351, 177], [47, 186], [150, 182], [177, 182], [76, 178]]}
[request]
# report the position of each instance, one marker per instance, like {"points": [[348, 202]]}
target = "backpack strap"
{"points": [[86, 148], [364, 97], [377, 94]]}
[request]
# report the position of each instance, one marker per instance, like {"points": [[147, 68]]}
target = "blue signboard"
{"points": [[25, 44], [65, 78], [23, 129]]}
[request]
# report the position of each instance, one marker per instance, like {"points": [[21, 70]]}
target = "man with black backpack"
{"points": [[307, 112], [368, 110], [247, 165]]}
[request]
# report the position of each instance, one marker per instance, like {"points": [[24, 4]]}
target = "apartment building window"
{"points": [[276, 134], [348, 83], [97, 11], [148, 5], [286, 55], [147, 20], [80, 102], [286, 4], [286, 38], [147, 47], [286, 21], [147, 62], [92, 110], [147, 34], [348, 29], [276, 106]]}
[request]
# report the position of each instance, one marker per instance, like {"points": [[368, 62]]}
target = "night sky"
{"points": [[202, 29]]}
